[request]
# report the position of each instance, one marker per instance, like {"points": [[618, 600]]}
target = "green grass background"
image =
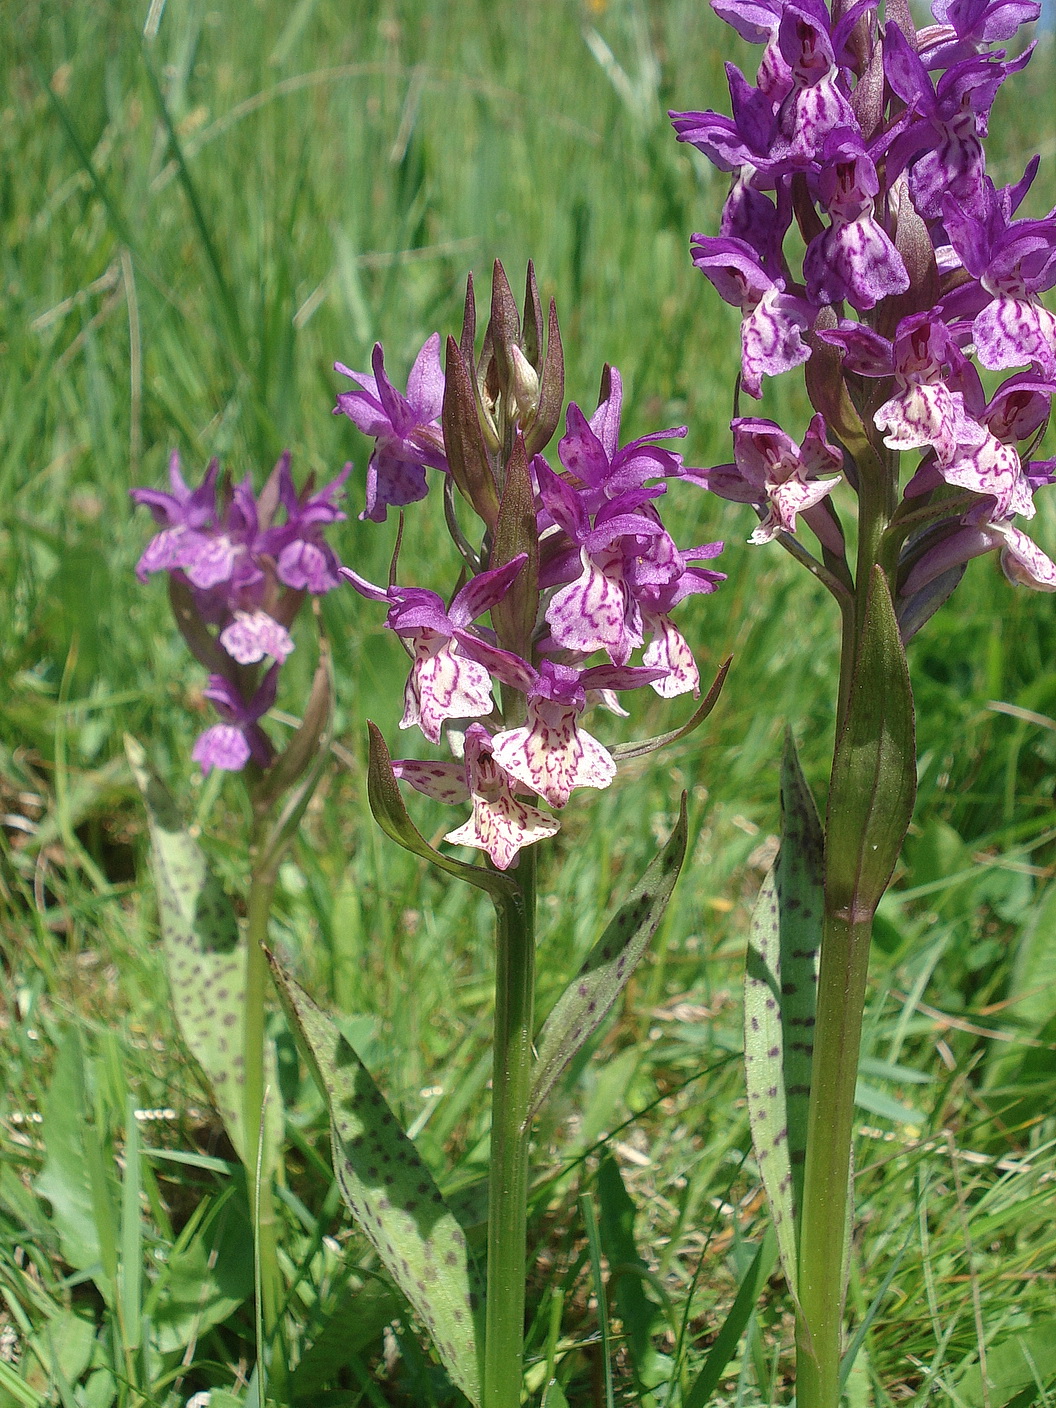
{"points": [[204, 207]]}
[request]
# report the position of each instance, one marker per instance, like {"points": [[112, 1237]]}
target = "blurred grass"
{"points": [[197, 221]]}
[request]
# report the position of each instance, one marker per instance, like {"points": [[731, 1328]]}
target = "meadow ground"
{"points": [[203, 208]]}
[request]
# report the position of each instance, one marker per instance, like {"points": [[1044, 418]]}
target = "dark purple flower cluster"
{"points": [[237, 578], [867, 136], [574, 563]]}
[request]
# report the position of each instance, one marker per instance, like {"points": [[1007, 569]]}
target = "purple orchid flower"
{"points": [[406, 428], [924, 359], [185, 512], [501, 823], [773, 472], [445, 682], [230, 745], [304, 559], [598, 610], [1014, 261], [854, 258], [773, 321], [966, 27], [941, 139], [816, 105], [592, 454], [984, 529], [667, 649], [551, 754]]}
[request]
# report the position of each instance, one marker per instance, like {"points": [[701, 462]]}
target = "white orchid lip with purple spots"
{"points": [[574, 571], [240, 565], [868, 138]]}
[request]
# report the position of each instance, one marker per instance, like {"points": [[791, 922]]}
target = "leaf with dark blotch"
{"points": [[649, 745], [514, 616], [551, 390], [585, 1003], [780, 986], [205, 960], [391, 1192], [874, 771], [386, 804], [467, 454]]}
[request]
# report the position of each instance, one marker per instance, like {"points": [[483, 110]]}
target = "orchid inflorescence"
{"points": [[869, 138], [572, 565], [237, 579]]}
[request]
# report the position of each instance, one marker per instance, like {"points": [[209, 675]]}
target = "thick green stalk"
{"points": [[827, 1180], [261, 1196], [510, 1136], [843, 972]]}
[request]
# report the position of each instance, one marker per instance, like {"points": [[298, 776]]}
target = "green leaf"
{"points": [[644, 746], [358, 1318], [386, 804], [209, 1273], [587, 1000], [64, 1178], [391, 1192], [874, 771], [1024, 1361], [740, 1312], [780, 987], [205, 959], [626, 1280]]}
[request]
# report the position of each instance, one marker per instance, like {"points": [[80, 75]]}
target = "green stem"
{"points": [[827, 1179], [843, 971], [510, 1136], [261, 1195]]}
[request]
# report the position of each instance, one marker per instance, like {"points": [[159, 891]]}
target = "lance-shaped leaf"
{"points": [[514, 616], [464, 445], [205, 960], [386, 804], [649, 745], [874, 771], [391, 1192], [780, 986], [587, 1000]]}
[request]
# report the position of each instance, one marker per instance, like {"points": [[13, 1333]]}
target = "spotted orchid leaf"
{"points": [[780, 987], [386, 804], [205, 960], [640, 748], [391, 1193], [585, 1003]]}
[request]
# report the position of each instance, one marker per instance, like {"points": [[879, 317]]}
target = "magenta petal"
{"points": [[254, 634], [223, 746]]}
